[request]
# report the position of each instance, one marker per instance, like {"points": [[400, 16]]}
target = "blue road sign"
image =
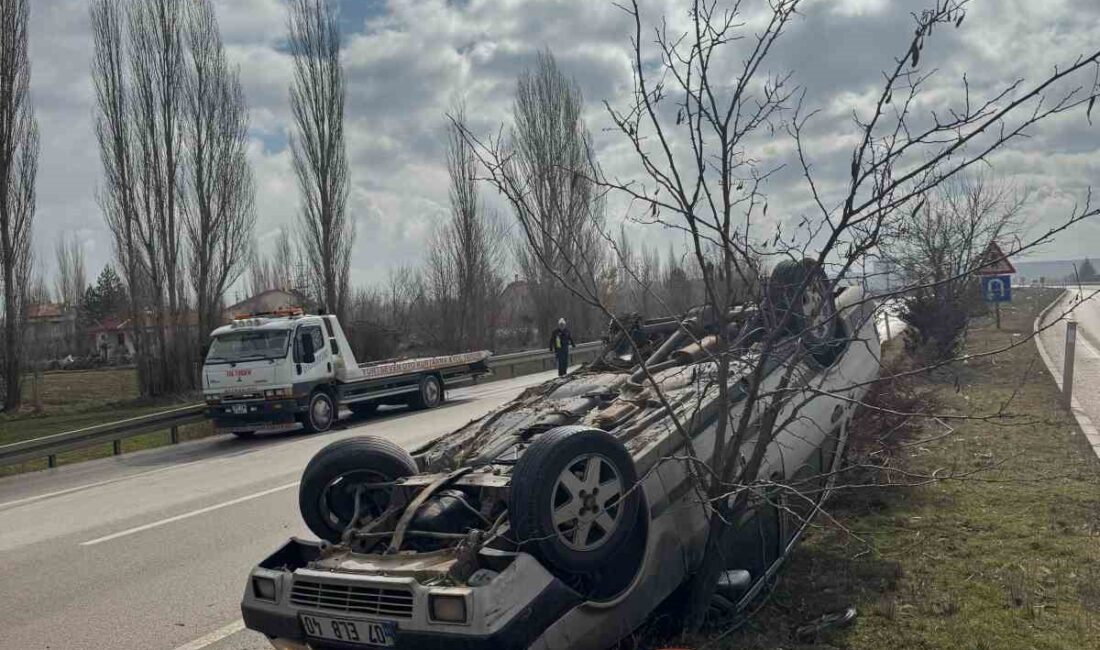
{"points": [[997, 288]]}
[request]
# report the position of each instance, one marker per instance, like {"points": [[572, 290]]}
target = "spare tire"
{"points": [[574, 499], [326, 496], [800, 297]]}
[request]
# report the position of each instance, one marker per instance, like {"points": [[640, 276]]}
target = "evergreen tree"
{"points": [[106, 297]]}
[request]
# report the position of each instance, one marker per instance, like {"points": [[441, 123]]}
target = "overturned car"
{"points": [[565, 517]]}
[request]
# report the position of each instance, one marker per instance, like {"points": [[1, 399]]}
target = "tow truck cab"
{"points": [[262, 370], [284, 367]]}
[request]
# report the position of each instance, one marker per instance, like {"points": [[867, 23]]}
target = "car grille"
{"points": [[352, 598]]}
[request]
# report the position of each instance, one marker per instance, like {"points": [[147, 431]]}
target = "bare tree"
{"points": [[71, 280], [702, 101], [282, 268], [19, 148], [934, 248], [116, 196], [318, 148], [465, 257], [139, 71], [549, 167], [38, 290], [220, 212]]}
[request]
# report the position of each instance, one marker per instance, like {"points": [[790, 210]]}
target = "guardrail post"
{"points": [[51, 460], [116, 447], [175, 434], [1067, 367]]}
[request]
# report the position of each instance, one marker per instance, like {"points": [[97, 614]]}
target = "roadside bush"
{"points": [[936, 324]]}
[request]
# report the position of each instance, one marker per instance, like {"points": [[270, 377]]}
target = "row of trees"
{"points": [[178, 191]]}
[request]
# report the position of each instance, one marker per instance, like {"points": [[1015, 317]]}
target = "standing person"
{"points": [[560, 342]]}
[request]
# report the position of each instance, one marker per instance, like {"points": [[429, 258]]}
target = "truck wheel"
{"points": [[813, 314], [430, 394], [574, 500], [320, 414], [363, 408], [326, 496]]}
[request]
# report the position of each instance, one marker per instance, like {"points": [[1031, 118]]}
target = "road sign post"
{"points": [[997, 289], [1067, 366], [996, 273]]}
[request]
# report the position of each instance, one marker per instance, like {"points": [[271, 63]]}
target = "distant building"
{"points": [[51, 331], [112, 340]]}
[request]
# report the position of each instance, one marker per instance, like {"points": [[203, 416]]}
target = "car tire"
{"points": [[558, 514], [812, 312], [363, 409], [326, 495], [320, 414], [429, 395]]}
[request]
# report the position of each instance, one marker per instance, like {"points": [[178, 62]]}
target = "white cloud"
{"points": [[408, 59]]}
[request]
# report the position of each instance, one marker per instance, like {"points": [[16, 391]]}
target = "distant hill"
{"points": [[1050, 270]]}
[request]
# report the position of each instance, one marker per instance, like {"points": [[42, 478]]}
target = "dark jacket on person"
{"points": [[561, 340]]}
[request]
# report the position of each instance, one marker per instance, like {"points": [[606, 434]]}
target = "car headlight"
{"points": [[278, 393], [447, 609], [263, 588]]}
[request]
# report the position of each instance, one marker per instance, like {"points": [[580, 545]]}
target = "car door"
{"points": [[320, 368]]}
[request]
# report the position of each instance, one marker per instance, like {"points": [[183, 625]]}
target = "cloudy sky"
{"points": [[408, 60]]}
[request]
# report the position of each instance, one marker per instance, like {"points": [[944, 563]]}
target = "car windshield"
{"points": [[243, 346]]}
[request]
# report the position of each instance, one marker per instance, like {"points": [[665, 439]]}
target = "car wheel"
{"points": [[321, 413], [808, 313], [363, 408], [430, 394], [574, 502], [335, 475]]}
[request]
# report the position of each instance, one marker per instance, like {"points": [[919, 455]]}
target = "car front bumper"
{"points": [[509, 613]]}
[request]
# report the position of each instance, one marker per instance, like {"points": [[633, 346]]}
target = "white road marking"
{"points": [[213, 637], [187, 515]]}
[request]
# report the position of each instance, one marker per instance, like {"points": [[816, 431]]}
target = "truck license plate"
{"points": [[367, 633], [240, 409]]}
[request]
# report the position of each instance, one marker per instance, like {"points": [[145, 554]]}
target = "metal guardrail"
{"points": [[114, 432], [514, 360], [503, 365]]}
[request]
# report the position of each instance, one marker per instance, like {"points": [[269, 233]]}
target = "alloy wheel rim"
{"points": [[321, 412], [585, 503]]}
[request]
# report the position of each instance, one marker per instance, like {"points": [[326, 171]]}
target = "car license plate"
{"points": [[240, 409], [368, 633]]}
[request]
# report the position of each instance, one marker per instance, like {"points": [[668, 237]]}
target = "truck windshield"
{"points": [[246, 346]]}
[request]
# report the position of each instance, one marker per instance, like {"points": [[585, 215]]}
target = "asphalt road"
{"points": [[150, 550], [1083, 305]]}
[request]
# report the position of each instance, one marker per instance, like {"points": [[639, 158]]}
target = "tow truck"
{"points": [[285, 367]]}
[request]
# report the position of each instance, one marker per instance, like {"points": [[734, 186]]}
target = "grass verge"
{"points": [[68, 400]]}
